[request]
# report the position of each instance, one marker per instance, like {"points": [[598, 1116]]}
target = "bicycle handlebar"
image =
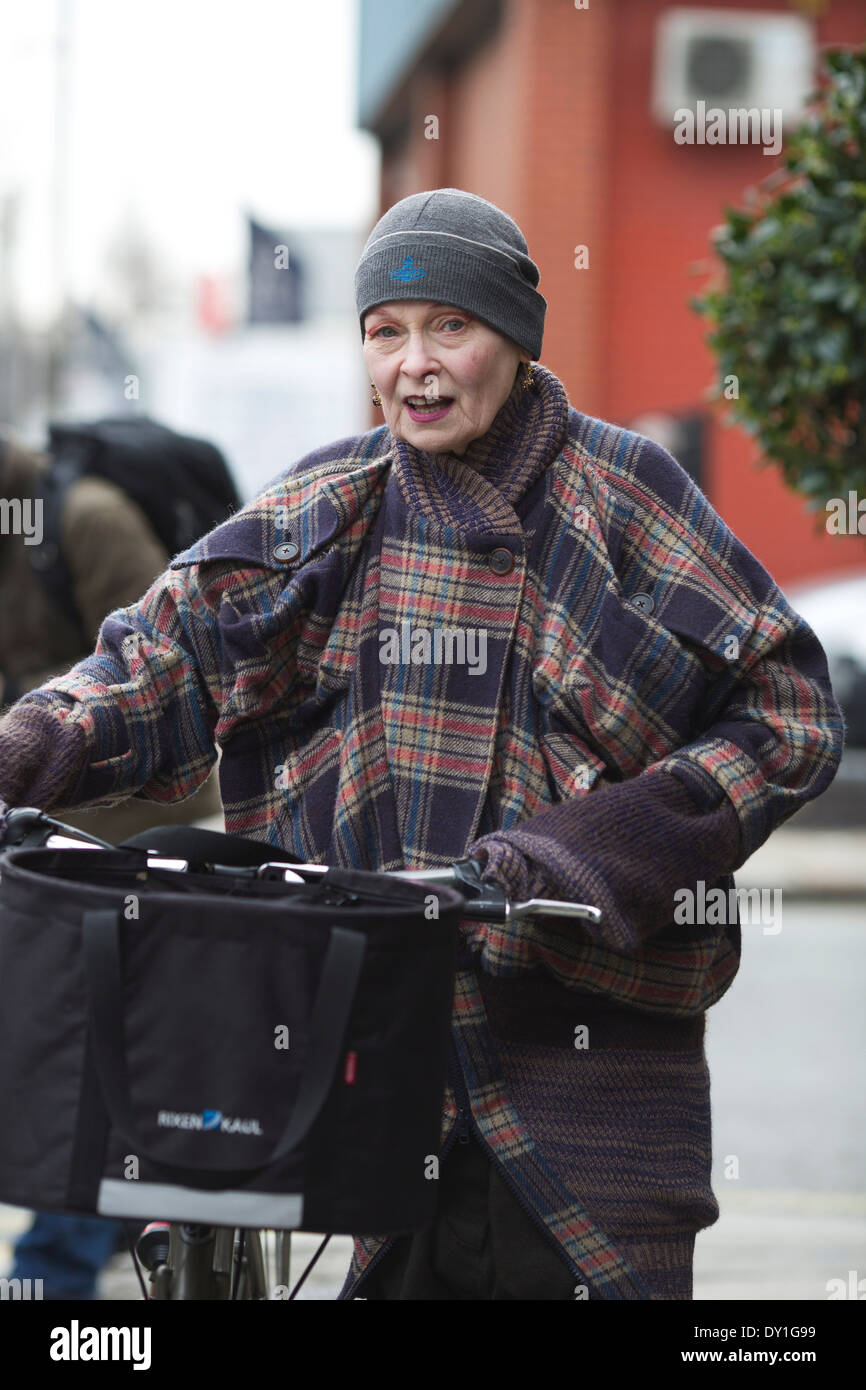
{"points": [[483, 901], [490, 901]]}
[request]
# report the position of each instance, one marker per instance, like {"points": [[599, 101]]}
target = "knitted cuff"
{"points": [[40, 756], [627, 848], [502, 863]]}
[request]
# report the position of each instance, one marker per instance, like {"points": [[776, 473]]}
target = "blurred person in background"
{"points": [[110, 555]]}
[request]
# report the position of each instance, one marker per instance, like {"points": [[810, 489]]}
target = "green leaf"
{"points": [[788, 313]]}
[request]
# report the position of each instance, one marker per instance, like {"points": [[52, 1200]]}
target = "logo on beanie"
{"points": [[408, 270]]}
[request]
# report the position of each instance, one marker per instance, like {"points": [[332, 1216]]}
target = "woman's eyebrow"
{"points": [[379, 312]]}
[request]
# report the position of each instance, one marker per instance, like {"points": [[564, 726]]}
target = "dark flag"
{"points": [[276, 278]]}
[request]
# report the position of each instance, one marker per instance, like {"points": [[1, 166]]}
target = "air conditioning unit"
{"points": [[731, 59]]}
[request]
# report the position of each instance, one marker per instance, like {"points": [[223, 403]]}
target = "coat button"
{"points": [[287, 550], [644, 602], [501, 560]]}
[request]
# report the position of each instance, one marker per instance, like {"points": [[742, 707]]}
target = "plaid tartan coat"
{"points": [[634, 698]]}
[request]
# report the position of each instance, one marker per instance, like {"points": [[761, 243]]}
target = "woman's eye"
{"points": [[461, 323]]}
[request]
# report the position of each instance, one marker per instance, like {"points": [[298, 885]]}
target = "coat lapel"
{"points": [[445, 628], [448, 607]]}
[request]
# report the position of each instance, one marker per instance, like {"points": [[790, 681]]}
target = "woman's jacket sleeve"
{"points": [[137, 716], [767, 738]]}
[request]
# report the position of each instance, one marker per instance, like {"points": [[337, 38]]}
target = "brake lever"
{"points": [[489, 900], [552, 907]]}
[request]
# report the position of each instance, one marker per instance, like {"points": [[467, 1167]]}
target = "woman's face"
{"points": [[416, 348]]}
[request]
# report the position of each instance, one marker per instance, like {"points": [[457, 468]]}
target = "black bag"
{"points": [[144, 1014], [182, 484]]}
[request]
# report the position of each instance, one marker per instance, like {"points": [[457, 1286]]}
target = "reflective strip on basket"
{"points": [[270, 1210]]}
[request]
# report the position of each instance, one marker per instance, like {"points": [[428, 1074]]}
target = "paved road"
{"points": [[785, 1048]]}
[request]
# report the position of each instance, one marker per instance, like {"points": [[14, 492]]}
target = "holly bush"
{"points": [[789, 321]]}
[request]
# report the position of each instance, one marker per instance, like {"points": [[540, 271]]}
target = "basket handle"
{"points": [[193, 843], [338, 985]]}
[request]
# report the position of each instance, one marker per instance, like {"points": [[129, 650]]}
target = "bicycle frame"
{"points": [[207, 1263]]}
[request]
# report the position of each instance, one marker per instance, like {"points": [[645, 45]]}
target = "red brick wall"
{"points": [[665, 199]]}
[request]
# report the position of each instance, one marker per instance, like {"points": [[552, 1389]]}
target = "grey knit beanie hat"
{"points": [[453, 247]]}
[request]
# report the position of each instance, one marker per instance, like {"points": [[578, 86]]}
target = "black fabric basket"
{"points": [[143, 1066]]}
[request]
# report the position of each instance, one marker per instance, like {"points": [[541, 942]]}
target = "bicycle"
{"points": [[188, 1261]]}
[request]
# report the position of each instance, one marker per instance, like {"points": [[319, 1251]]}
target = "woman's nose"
{"points": [[418, 361]]}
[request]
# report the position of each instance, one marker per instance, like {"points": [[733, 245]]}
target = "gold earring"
{"points": [[529, 379], [377, 399]]}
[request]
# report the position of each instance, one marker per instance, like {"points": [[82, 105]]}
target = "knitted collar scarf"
{"points": [[479, 490]]}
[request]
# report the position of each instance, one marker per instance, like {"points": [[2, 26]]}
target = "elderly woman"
{"points": [[491, 627]]}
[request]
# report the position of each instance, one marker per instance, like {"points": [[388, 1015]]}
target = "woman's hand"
{"points": [[41, 756], [502, 863], [626, 848]]}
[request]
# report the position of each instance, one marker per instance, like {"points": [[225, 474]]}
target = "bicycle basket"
{"points": [[218, 1048]]}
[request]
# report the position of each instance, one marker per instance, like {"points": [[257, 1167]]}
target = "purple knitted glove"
{"points": [[502, 863], [625, 847], [40, 757]]}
